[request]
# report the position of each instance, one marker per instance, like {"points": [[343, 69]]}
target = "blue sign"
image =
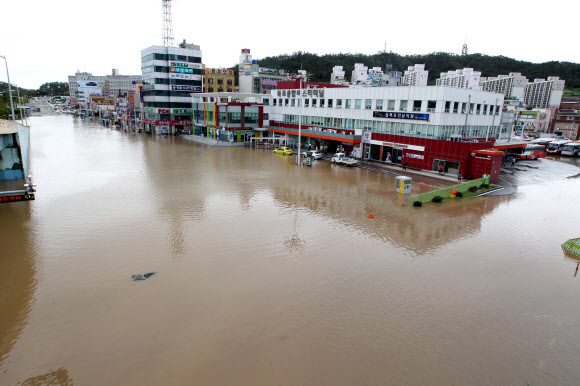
{"points": [[185, 88], [411, 116]]}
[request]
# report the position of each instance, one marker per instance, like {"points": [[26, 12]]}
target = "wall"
{"points": [[488, 164]]}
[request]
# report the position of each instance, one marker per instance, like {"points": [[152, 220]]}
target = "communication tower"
{"points": [[464, 49], [168, 40]]}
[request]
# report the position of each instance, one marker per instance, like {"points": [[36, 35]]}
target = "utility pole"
{"points": [[9, 88]]}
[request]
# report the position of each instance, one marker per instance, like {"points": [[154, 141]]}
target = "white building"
{"points": [[415, 76], [512, 86], [80, 79], [170, 75], [109, 85], [544, 93], [338, 76], [249, 73], [360, 74], [466, 78]]}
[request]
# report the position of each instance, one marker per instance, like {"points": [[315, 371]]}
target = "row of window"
{"points": [[168, 105], [181, 58], [219, 81], [227, 117], [149, 69], [173, 81], [396, 128], [220, 89], [403, 105], [166, 93]]}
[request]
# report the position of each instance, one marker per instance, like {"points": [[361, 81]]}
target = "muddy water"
{"points": [[275, 275]]}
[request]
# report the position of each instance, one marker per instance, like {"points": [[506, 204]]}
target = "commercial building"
{"points": [[567, 120], [415, 76], [426, 126], [231, 117], [338, 76], [170, 75], [270, 77], [254, 79], [466, 78], [218, 80], [84, 83]]}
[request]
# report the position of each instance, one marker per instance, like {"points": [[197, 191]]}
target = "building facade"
{"points": [[338, 76], [466, 78], [170, 75], [218, 80], [425, 126], [543, 93], [511, 86], [415, 76]]}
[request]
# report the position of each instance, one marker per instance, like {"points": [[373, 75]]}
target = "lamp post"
{"points": [[9, 88], [300, 124]]}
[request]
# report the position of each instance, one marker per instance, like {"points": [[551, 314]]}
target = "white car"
{"points": [[313, 154]]}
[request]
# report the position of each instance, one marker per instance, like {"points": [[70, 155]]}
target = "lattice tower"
{"points": [[168, 40]]}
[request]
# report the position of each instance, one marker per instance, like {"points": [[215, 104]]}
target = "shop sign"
{"points": [[311, 92], [269, 83], [366, 138], [411, 155], [181, 76], [182, 111], [163, 111], [162, 123], [148, 87], [185, 88], [149, 110], [182, 70], [219, 71], [16, 198], [398, 145], [530, 113], [411, 116]]}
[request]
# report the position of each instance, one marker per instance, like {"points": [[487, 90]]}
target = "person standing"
{"points": [[404, 165], [441, 169], [459, 177]]}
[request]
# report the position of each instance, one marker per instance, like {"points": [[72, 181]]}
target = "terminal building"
{"points": [[170, 75], [424, 126]]}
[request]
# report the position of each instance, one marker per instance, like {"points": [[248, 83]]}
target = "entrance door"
{"points": [[397, 155], [367, 151]]}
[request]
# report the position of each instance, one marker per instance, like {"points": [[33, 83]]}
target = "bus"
{"points": [[531, 151], [571, 149], [556, 146]]}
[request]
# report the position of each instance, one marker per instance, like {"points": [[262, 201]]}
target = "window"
{"points": [[368, 104], [391, 104], [280, 102], [266, 102], [266, 117], [229, 90], [274, 100], [306, 102], [314, 103], [292, 102], [348, 101], [330, 103], [322, 103], [357, 103], [229, 82], [286, 102], [338, 103], [464, 108], [496, 110], [471, 106], [403, 106], [251, 117], [417, 105], [455, 107], [235, 117], [447, 107], [220, 81], [210, 81], [478, 109], [210, 89], [379, 104], [484, 112], [431, 105]]}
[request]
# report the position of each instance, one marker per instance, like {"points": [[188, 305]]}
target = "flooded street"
{"points": [[275, 275]]}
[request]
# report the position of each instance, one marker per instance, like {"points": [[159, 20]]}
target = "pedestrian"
{"points": [[389, 157], [404, 165], [513, 162], [440, 169], [459, 177]]}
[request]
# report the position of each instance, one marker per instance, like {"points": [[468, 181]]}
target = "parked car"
{"points": [[342, 159], [283, 150], [312, 154]]}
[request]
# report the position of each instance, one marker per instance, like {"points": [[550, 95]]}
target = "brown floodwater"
{"points": [[275, 275]]}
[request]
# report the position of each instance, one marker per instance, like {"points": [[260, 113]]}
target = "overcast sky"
{"points": [[46, 40]]}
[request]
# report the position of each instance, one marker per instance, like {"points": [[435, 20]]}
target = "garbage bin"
{"points": [[403, 185]]}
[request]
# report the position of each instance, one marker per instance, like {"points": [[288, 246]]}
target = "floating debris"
{"points": [[144, 276]]}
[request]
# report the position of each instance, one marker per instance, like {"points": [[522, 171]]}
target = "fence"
{"points": [[445, 192]]}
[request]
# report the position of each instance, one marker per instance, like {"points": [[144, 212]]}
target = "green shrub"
{"points": [[485, 186], [459, 194], [472, 189], [417, 203], [437, 199]]}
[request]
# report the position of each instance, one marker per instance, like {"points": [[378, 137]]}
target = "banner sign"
{"points": [[219, 71], [185, 88], [531, 113], [102, 100], [366, 138], [182, 76], [411, 116], [311, 92], [182, 70], [182, 111], [411, 155], [16, 198], [269, 83], [87, 83], [162, 123]]}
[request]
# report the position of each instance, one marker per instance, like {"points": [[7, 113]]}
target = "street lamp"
{"points": [[9, 88]]}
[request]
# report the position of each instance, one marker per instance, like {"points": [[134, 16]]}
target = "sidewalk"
{"points": [[430, 176]]}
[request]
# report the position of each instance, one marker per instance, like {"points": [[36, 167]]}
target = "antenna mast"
{"points": [[464, 49], [168, 40]]}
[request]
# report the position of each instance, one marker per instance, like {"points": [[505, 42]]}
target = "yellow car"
{"points": [[283, 150]]}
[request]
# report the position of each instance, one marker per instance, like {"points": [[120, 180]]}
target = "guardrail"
{"points": [[445, 192]]}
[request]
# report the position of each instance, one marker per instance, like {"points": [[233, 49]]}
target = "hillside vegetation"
{"points": [[320, 66]]}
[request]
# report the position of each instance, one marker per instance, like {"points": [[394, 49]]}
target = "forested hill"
{"points": [[321, 66]]}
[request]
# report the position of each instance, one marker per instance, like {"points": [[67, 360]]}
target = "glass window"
{"points": [[471, 106], [235, 117], [496, 110], [417, 105], [220, 81], [447, 107], [286, 104], [306, 102], [338, 103], [379, 104], [491, 111], [391, 104], [348, 101], [266, 117], [478, 110], [431, 105], [280, 102], [292, 102], [484, 111], [266, 102], [368, 104], [403, 106], [210, 81], [455, 107], [322, 103], [357, 103], [274, 100], [330, 103], [464, 108]]}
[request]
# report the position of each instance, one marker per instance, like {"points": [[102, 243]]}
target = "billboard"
{"points": [[219, 71], [245, 50], [185, 88], [103, 100], [88, 83], [412, 116]]}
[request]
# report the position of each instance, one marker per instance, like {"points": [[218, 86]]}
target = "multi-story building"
{"points": [[466, 78], [78, 83], [218, 80], [170, 75], [270, 77], [567, 120], [360, 74], [544, 93], [539, 94], [338, 76], [254, 79], [425, 126], [415, 76]]}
